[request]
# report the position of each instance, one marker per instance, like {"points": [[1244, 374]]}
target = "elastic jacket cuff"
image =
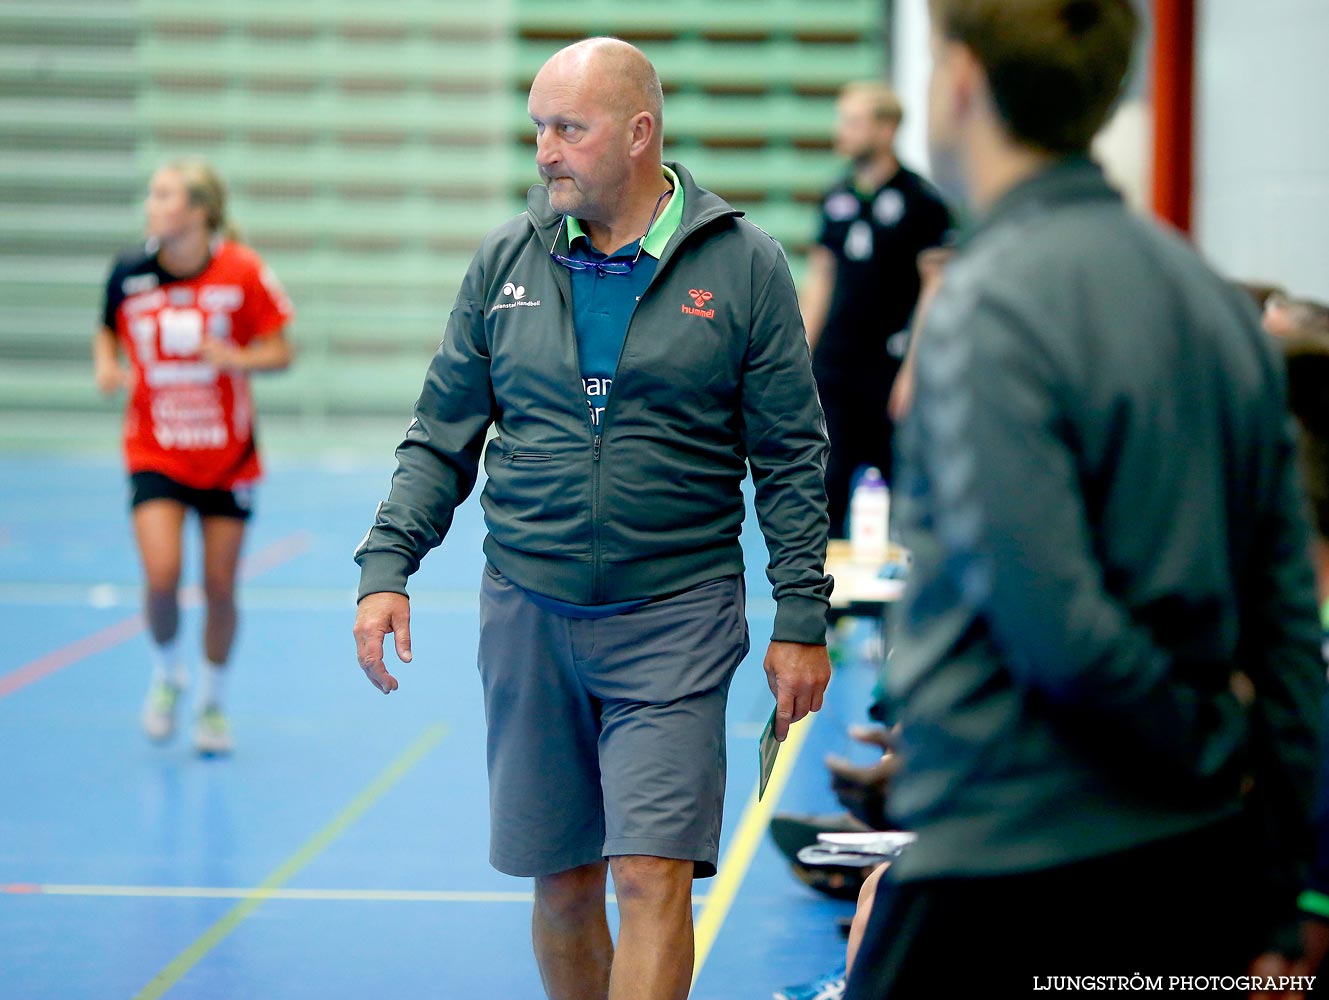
{"points": [[382, 572], [800, 619]]}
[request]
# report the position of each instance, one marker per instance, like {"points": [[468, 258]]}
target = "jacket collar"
{"points": [[1073, 179]]}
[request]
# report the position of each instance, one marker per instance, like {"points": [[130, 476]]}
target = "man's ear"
{"points": [[970, 82], [642, 128]]}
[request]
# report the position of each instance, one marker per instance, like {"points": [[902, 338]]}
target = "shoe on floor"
{"points": [[794, 831], [212, 734], [829, 987], [159, 710]]}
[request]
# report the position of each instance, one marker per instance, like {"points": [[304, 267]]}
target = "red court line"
{"points": [[281, 551]]}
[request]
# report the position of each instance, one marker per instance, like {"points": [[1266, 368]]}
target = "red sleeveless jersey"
{"points": [[185, 418]]}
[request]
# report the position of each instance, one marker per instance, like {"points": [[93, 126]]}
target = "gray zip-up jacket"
{"points": [[714, 377], [1099, 487]]}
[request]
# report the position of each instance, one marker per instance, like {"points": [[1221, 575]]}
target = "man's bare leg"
{"points": [[571, 933], [655, 948]]}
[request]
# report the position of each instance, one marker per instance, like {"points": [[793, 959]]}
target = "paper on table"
{"points": [[882, 841]]}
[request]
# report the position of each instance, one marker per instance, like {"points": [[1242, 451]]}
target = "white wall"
{"points": [[1261, 209], [1125, 149], [912, 64]]}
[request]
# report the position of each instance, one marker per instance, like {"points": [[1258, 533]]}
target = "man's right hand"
{"points": [[376, 616]]}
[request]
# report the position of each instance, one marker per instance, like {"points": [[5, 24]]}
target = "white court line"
{"points": [[320, 895], [258, 597], [252, 598]]}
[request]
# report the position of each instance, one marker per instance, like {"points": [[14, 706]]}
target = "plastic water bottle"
{"points": [[869, 512]]}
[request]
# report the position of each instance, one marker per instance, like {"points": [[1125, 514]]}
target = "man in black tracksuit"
{"points": [[637, 348], [862, 285], [1105, 664]]}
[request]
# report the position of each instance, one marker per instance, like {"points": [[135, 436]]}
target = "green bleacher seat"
{"points": [[46, 21], [767, 66], [327, 165], [339, 15], [320, 112], [367, 149], [268, 64], [686, 17]]}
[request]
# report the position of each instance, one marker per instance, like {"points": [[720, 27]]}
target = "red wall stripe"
{"points": [[1173, 66]]}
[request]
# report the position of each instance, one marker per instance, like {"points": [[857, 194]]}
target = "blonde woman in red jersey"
{"points": [[187, 318]]}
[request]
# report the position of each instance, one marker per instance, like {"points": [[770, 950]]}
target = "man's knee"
{"points": [[573, 895], [652, 881]]}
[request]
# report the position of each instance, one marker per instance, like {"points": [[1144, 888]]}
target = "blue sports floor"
{"points": [[342, 850]]}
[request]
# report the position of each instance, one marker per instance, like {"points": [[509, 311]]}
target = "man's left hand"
{"points": [[798, 675]]}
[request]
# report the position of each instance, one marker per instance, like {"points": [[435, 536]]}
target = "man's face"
{"points": [[581, 145], [859, 135]]}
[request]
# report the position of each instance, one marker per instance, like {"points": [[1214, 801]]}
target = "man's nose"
{"points": [[546, 149]]}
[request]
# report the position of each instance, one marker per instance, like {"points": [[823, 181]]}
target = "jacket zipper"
{"points": [[528, 456], [596, 583]]}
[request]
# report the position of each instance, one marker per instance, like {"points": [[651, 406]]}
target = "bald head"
{"points": [[614, 73]]}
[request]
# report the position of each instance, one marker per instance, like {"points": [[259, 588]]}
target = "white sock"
{"points": [[210, 685], [166, 665]]}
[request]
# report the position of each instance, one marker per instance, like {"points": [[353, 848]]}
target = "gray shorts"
{"points": [[607, 736]]}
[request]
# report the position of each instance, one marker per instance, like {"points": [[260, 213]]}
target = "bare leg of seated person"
{"points": [[866, 896]]}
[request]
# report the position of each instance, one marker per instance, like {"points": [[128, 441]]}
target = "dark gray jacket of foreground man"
{"points": [[1100, 492], [714, 377]]}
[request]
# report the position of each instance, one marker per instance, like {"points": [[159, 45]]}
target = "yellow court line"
{"points": [[737, 859], [210, 938]]}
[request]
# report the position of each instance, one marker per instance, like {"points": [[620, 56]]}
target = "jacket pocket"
{"points": [[528, 456]]}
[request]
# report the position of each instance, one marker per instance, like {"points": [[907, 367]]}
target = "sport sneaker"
{"points": [[829, 987], [212, 735], [159, 710]]}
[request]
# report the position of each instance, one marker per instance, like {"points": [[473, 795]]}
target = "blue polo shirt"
{"points": [[602, 307], [602, 304]]}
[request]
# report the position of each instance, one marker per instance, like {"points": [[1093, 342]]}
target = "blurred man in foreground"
{"points": [[1105, 663]]}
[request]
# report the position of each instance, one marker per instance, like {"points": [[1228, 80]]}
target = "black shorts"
{"points": [[144, 486], [1172, 907]]}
